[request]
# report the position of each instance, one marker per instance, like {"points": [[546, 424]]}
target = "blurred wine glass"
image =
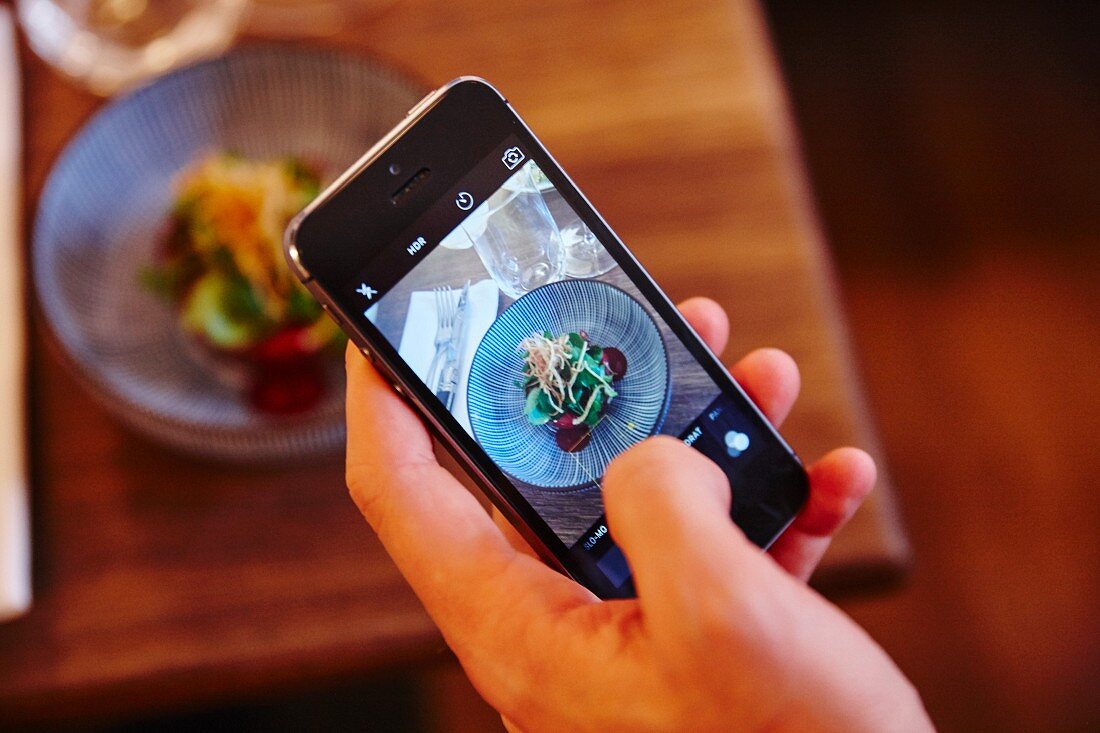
{"points": [[297, 18], [109, 45]]}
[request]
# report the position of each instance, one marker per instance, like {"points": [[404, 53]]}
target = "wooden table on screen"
{"points": [[163, 582]]}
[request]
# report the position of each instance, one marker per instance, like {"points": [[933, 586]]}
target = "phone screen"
{"points": [[532, 335]]}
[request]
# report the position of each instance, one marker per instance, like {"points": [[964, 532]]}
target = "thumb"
{"points": [[668, 510]]}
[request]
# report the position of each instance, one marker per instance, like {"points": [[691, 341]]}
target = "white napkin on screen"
{"points": [[418, 339], [15, 540]]}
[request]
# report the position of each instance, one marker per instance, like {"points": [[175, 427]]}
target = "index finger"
{"points": [[440, 537]]}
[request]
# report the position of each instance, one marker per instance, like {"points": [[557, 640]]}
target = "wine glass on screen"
{"points": [[516, 238]]}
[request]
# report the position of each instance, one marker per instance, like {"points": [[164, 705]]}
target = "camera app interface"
{"points": [[532, 336]]}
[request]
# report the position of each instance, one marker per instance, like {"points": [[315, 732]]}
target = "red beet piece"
{"points": [[614, 361], [572, 440], [287, 345], [565, 421], [288, 389]]}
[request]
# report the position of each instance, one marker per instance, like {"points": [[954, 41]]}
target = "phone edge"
{"points": [[439, 433]]}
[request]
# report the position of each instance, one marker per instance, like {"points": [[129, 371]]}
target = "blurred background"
{"points": [[954, 157], [947, 156]]}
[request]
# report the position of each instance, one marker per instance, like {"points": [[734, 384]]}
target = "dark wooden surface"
{"points": [[954, 151], [164, 582]]}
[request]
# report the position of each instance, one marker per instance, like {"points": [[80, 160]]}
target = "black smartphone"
{"points": [[464, 263]]}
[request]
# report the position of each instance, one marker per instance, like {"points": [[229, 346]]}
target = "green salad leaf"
{"points": [[564, 375]]}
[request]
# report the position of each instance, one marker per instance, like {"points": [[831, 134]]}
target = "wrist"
{"points": [[894, 706]]}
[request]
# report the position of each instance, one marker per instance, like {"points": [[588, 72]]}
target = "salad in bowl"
{"points": [[568, 381], [220, 265]]}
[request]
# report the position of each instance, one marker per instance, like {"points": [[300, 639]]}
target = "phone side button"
{"points": [[334, 315], [386, 374], [346, 329]]}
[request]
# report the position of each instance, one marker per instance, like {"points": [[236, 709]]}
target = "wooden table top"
{"points": [[164, 581]]}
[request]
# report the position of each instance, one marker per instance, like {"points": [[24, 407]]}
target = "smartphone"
{"points": [[466, 265]]}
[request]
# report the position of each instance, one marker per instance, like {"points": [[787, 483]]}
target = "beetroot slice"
{"points": [[574, 439], [565, 421], [287, 389], [286, 346], [614, 361]]}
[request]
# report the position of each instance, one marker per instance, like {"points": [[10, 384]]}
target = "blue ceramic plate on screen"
{"points": [[104, 208], [611, 318]]}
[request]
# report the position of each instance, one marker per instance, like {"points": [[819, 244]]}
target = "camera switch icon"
{"points": [[512, 157], [736, 443]]}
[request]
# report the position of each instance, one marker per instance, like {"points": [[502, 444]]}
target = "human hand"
{"points": [[721, 635]]}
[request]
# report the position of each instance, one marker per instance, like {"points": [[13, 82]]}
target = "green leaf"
{"points": [[221, 258], [305, 178], [587, 382], [301, 306], [300, 172], [184, 207], [593, 416], [204, 313], [172, 278], [532, 400], [544, 403], [240, 302], [535, 415], [158, 280]]}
